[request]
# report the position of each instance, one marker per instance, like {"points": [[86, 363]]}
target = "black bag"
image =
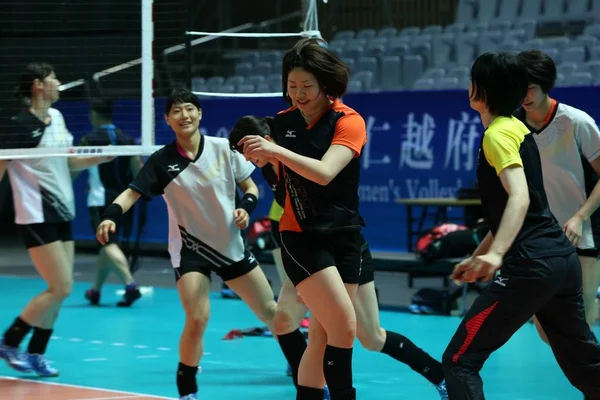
{"points": [[432, 301]]}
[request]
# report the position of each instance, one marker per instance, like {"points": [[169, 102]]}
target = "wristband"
{"points": [[114, 213], [248, 202]]}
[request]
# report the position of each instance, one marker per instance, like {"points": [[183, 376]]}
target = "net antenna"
{"points": [[147, 116], [310, 30]]}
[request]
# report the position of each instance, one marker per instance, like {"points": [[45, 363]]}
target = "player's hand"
{"points": [[104, 230], [574, 229], [460, 269], [241, 218], [257, 148], [483, 267]]}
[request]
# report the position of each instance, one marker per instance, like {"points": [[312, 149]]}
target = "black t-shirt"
{"points": [[310, 206], [505, 143]]}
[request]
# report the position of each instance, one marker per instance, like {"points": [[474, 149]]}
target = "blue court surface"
{"points": [[135, 351]]}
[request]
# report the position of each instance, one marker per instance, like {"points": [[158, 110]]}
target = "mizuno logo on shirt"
{"points": [[290, 134], [173, 168], [37, 132]]}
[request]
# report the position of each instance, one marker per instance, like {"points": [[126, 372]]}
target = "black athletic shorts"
{"points": [[593, 252], [35, 235], [306, 253], [227, 273], [367, 267], [96, 219]]}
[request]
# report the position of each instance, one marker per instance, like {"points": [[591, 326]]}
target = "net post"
{"points": [[147, 100], [189, 21]]}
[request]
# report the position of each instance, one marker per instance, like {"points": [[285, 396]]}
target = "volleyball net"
{"points": [[119, 76]]}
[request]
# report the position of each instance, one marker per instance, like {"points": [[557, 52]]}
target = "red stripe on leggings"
{"points": [[473, 327]]}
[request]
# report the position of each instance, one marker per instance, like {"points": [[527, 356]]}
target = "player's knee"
{"points": [[283, 323], [341, 333], [267, 312], [195, 325], [372, 339], [61, 290]]}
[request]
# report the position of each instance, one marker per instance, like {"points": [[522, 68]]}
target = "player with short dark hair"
{"points": [[534, 267]]}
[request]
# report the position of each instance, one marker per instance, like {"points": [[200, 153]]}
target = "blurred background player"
{"points": [[105, 183]]}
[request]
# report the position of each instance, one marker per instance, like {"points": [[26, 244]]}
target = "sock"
{"points": [[186, 379], [405, 351], [131, 286], [308, 393], [39, 341], [17, 331], [337, 367], [349, 394], [293, 345]]}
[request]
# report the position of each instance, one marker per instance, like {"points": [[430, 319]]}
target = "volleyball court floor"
{"points": [[111, 353]]}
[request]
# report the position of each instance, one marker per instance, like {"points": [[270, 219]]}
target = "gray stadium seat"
{"points": [[388, 32], [354, 86], [489, 41], [214, 83], [460, 73], [390, 73], [344, 35], [432, 30], [243, 69], [246, 88], [531, 9], [466, 48], [553, 11], [366, 34], [486, 10], [554, 53], [559, 43], [410, 31], [264, 88], [250, 57], [350, 63], [574, 54], [566, 68], [579, 79], [499, 25], [255, 80], [508, 10], [421, 46], [375, 49], [593, 67], [353, 51], [528, 25], [366, 78], [412, 69], [424, 84], [465, 11], [455, 28], [274, 82], [271, 56], [587, 42], [517, 35], [446, 83], [235, 80], [595, 53], [533, 44], [434, 73], [368, 64], [479, 27], [225, 89], [197, 83], [262, 68], [443, 48], [577, 10], [593, 30], [398, 47], [509, 46], [560, 80]]}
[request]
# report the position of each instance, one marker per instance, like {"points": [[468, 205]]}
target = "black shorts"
{"points": [[227, 273], [306, 253], [35, 235], [367, 267], [593, 252]]}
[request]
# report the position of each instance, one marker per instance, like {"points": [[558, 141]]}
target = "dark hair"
{"points": [[249, 125], [33, 71], [540, 68], [180, 96], [500, 81], [312, 55], [103, 107]]}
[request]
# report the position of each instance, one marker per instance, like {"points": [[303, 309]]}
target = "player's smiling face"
{"points": [[304, 91], [535, 98], [184, 119]]}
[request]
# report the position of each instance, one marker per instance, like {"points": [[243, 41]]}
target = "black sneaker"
{"points": [[93, 296], [130, 296]]}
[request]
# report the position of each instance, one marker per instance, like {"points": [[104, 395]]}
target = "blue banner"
{"points": [[420, 144]]}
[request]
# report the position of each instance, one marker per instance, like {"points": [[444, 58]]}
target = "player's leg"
{"points": [[499, 311], [373, 337], [117, 260], [325, 271], [193, 285], [571, 339], [53, 262]]}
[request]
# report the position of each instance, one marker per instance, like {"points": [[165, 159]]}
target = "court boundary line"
{"points": [[124, 392]]}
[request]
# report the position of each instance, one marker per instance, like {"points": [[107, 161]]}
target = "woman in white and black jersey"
{"points": [[44, 208]]}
